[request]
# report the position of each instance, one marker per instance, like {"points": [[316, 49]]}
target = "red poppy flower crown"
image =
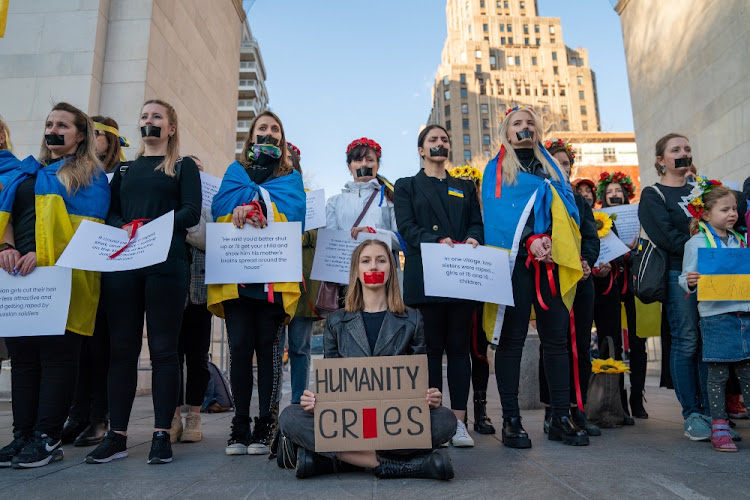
{"points": [[294, 148], [551, 143], [619, 177], [520, 106], [364, 141]]}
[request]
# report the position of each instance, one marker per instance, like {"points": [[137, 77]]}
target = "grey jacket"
{"points": [[345, 336]]}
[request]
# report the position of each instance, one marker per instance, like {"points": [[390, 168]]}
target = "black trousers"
{"points": [[42, 381], [665, 379], [552, 325], [90, 402], [192, 350], [638, 356], [253, 326], [159, 291], [583, 314], [480, 367], [447, 328]]}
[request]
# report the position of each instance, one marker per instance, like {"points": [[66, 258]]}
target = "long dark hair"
{"points": [[250, 140]]}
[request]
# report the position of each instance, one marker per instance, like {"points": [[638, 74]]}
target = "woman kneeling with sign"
{"points": [[374, 317]]}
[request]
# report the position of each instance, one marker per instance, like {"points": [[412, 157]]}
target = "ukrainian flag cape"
{"points": [[506, 210], [288, 201], [58, 215]]}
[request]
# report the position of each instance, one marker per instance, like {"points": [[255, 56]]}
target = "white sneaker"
{"points": [[462, 439]]}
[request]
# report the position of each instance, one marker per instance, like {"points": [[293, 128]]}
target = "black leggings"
{"points": [[90, 401], [159, 291], [583, 313], [447, 328], [552, 325], [42, 381], [194, 343], [718, 374], [638, 356], [480, 367], [253, 326]]}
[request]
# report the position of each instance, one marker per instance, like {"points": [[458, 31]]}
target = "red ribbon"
{"points": [[576, 373], [257, 210], [371, 230], [550, 266], [135, 224], [499, 172]]}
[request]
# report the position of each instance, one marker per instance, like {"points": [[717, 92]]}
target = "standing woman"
{"points": [[157, 182], [88, 420], [433, 207], [665, 219], [524, 191], [365, 192], [255, 313], [42, 204]]}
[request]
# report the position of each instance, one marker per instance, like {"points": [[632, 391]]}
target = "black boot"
{"points": [[547, 416], [579, 418], [636, 405], [565, 430], [482, 423], [92, 434], [310, 464], [514, 435], [434, 465], [71, 430]]}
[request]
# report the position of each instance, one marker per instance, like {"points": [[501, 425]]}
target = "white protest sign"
{"points": [[92, 244], [333, 254], [209, 187], [610, 247], [35, 304], [464, 272], [251, 255], [628, 224], [316, 209]]}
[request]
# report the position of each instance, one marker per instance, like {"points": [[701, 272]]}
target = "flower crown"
{"points": [[551, 143], [520, 106], [695, 198], [364, 141], [466, 171], [294, 148], [619, 177]]}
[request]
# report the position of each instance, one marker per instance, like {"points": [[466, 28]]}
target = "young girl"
{"points": [[724, 324]]}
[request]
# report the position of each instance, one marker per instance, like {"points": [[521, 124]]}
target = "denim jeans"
{"points": [[300, 335], [689, 372]]}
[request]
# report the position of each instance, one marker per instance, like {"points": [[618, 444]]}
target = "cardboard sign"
{"points": [[725, 273], [373, 403], [35, 304], [465, 272]]}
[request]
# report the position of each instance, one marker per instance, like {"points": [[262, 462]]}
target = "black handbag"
{"points": [[650, 269]]}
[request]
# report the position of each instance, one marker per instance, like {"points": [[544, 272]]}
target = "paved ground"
{"points": [[649, 460]]}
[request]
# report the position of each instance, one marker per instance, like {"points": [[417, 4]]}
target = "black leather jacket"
{"points": [[345, 336]]}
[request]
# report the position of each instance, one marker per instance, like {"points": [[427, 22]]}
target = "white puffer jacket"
{"points": [[342, 210]]}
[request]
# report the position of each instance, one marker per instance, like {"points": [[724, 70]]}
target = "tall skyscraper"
{"points": [[499, 54], [253, 95]]}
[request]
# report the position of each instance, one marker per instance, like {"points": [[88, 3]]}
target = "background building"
{"points": [[688, 66], [253, 96], [109, 56], [499, 54]]}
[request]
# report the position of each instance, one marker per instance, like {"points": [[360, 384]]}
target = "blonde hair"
{"points": [[709, 200], [80, 170], [511, 165], [354, 300], [249, 139], [173, 144], [4, 128]]}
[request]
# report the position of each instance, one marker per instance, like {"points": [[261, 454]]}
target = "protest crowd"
{"points": [[574, 256]]}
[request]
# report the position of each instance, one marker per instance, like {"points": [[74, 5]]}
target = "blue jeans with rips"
{"points": [[299, 332], [689, 372]]}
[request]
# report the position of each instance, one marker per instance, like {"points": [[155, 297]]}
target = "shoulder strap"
{"points": [[367, 207], [643, 234], [660, 193]]}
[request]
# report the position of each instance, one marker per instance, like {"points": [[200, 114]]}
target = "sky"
{"points": [[339, 70]]}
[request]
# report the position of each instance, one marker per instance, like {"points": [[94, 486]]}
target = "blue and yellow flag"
{"points": [[58, 215], [3, 16], [553, 205], [288, 202]]}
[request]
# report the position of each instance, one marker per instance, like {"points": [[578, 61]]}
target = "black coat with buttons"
{"points": [[421, 218]]}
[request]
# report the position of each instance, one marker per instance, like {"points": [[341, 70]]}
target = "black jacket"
{"points": [[421, 218], [589, 236], [345, 335]]}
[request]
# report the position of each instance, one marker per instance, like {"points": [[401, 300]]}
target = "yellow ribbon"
{"points": [[113, 130]]}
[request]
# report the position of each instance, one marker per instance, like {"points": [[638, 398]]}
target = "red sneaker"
{"points": [[735, 408]]}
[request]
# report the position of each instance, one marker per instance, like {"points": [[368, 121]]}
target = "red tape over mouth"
{"points": [[374, 277]]}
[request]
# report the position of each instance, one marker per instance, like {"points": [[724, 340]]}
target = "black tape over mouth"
{"points": [[54, 139], [522, 135], [683, 162], [364, 172], [439, 151], [266, 139], [616, 200], [150, 131]]}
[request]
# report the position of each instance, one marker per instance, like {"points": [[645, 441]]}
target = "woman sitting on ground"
{"points": [[374, 317]]}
